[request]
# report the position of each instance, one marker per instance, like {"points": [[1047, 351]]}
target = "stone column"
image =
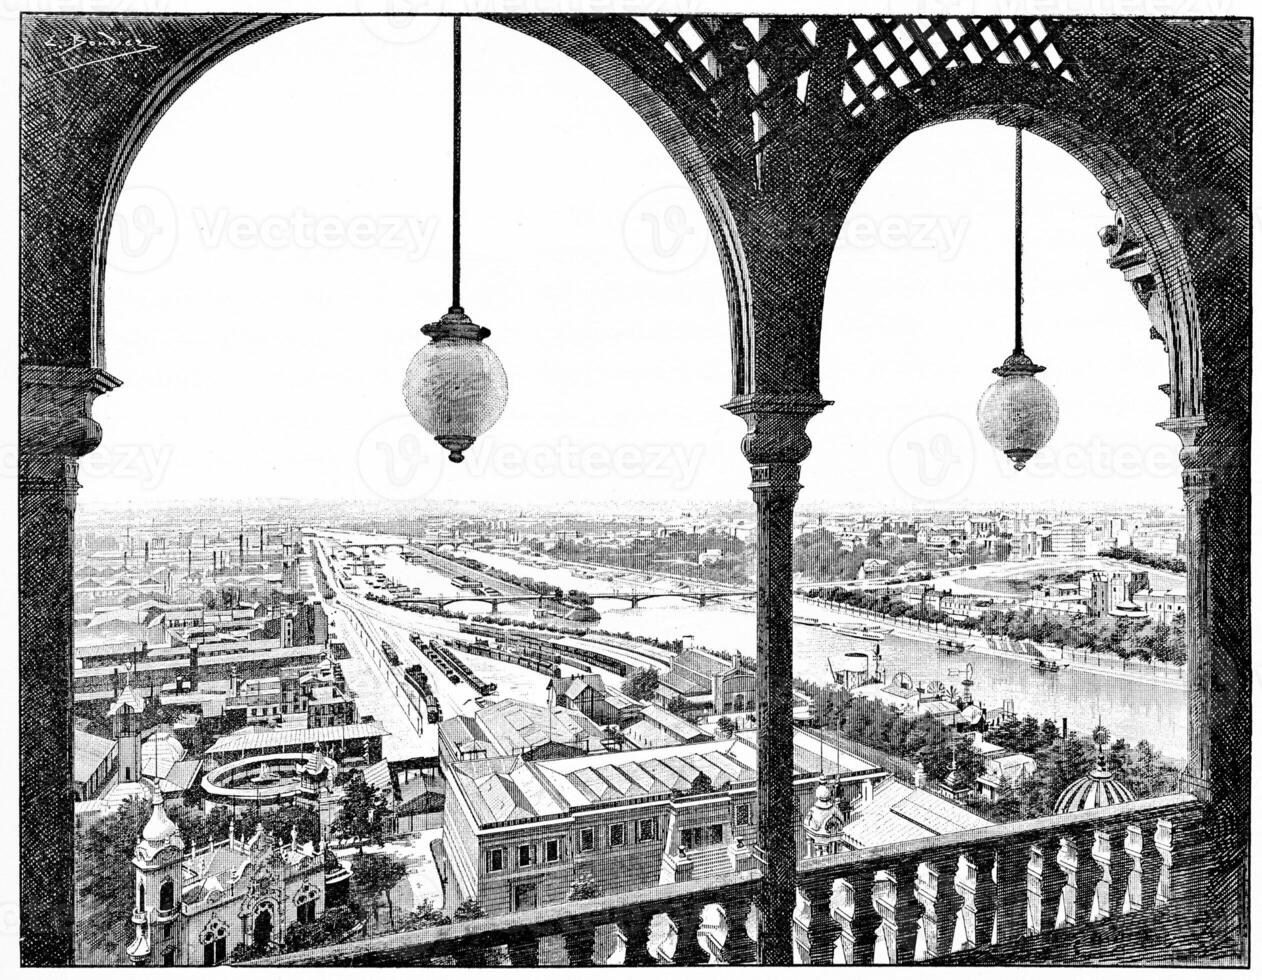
{"points": [[1197, 484], [775, 446], [56, 428]]}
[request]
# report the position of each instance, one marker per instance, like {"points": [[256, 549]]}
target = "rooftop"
{"points": [[898, 812], [502, 790], [255, 740]]}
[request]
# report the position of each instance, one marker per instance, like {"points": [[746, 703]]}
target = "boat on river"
{"points": [[1045, 666], [862, 631], [953, 646]]}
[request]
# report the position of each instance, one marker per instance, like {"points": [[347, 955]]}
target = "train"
{"points": [[455, 669], [505, 652], [553, 651], [387, 651], [421, 695]]}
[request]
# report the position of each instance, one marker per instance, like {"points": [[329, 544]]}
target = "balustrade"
{"points": [[1130, 877]]}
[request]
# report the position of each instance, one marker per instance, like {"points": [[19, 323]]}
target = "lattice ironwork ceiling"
{"points": [[881, 54]]}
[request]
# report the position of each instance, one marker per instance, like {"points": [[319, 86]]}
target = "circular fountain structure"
{"points": [[270, 780]]}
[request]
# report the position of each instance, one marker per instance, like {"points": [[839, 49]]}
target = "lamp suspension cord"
{"points": [[455, 165], [1018, 348]]}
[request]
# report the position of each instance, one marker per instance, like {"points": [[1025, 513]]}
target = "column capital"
{"points": [[1197, 477], [55, 409], [776, 441]]}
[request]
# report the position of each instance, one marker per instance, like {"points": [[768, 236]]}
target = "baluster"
{"points": [[1009, 874], [964, 925], [907, 910], [632, 937], [864, 920], [523, 949], [1163, 839], [579, 946], [1133, 900], [713, 936], [926, 893], [1034, 892], [841, 908], [1067, 906], [814, 931], [685, 921], [948, 905], [1093, 885], [739, 946], [885, 902], [987, 898]]}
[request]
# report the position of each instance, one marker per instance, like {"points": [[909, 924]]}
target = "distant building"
{"points": [[587, 693], [660, 727], [1106, 592], [508, 728], [1069, 538], [95, 762], [1162, 606], [874, 568]]}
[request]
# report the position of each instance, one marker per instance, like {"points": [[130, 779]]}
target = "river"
{"points": [[1131, 710]]}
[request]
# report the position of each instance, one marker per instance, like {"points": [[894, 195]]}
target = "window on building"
{"points": [[552, 850], [307, 912], [743, 815], [214, 940], [140, 897], [617, 834], [168, 956], [526, 855], [646, 829], [689, 838], [166, 896], [716, 833], [495, 859], [586, 839]]}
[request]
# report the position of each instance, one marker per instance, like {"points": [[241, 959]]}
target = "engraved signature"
{"points": [[106, 46]]}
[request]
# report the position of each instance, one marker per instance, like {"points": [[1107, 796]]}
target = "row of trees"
{"points": [[650, 554], [1143, 639], [524, 581], [888, 604], [918, 739], [1140, 557]]}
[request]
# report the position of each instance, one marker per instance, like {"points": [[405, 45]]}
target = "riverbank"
{"points": [[1068, 659]]}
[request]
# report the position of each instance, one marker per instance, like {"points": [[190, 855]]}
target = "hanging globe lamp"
{"points": [[455, 386], [1018, 413]]}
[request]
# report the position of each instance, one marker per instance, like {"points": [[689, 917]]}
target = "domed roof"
{"points": [[1100, 787], [160, 829]]}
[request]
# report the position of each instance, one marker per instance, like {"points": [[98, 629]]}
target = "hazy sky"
{"points": [[285, 233]]}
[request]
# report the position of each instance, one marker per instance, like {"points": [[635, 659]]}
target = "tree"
{"points": [[680, 705], [468, 909], [360, 816], [333, 926], [641, 684], [105, 876], [374, 875], [243, 952], [726, 726]]}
